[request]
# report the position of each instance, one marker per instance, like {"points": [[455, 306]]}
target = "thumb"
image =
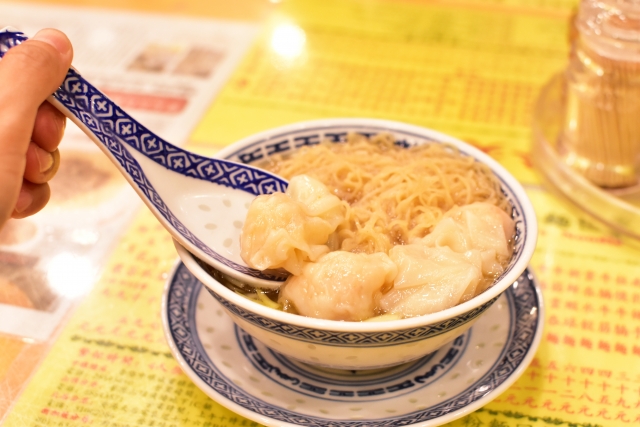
{"points": [[29, 73]]}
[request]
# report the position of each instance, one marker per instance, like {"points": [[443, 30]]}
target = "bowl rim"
{"points": [[528, 213]]}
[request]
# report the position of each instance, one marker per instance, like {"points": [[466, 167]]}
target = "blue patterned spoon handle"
{"points": [[97, 115]]}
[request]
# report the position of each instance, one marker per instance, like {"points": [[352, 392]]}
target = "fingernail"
{"points": [[24, 201], [45, 159], [56, 39]]}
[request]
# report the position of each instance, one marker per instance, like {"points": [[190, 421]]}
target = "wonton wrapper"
{"points": [[340, 286], [478, 227], [317, 199], [429, 280], [286, 230]]}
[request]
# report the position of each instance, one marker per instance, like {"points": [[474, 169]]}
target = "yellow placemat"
{"points": [[472, 69], [111, 366], [467, 70]]}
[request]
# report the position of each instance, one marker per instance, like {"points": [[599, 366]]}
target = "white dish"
{"points": [[364, 345], [252, 380]]}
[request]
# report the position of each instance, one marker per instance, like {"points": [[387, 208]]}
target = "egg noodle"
{"points": [[394, 194]]}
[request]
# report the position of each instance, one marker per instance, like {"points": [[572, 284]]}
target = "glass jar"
{"points": [[601, 132]]}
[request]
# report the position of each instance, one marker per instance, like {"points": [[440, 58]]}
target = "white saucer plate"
{"points": [[252, 380]]}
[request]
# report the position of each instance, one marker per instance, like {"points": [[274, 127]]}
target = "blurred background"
{"points": [[81, 282]]}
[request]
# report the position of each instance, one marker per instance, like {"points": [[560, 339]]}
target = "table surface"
{"points": [[470, 68]]}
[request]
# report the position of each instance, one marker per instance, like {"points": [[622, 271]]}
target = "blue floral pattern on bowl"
{"points": [[350, 338]]}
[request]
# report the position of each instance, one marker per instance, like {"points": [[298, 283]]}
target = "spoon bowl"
{"points": [[201, 201]]}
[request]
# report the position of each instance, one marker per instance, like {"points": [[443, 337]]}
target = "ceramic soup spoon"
{"points": [[201, 201]]}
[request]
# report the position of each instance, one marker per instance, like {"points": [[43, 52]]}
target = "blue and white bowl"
{"points": [[365, 345]]}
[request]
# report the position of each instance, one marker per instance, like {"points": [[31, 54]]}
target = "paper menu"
{"points": [[164, 71]]}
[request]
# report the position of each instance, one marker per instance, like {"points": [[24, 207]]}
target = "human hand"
{"points": [[30, 127]]}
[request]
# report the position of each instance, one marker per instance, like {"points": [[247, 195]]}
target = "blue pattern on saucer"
{"points": [[409, 377], [183, 292]]}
